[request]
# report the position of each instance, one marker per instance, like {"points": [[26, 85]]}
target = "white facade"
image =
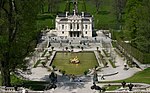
{"points": [[74, 25]]}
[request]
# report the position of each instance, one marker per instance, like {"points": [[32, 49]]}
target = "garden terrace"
{"points": [[87, 61]]}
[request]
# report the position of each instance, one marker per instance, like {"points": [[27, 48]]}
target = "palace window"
{"points": [[70, 26], [86, 32], [62, 26], [77, 26], [85, 26], [62, 32]]}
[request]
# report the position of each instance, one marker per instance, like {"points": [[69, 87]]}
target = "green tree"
{"points": [[18, 34], [42, 5], [137, 21], [97, 4], [53, 6], [119, 7], [84, 6], [142, 40], [131, 16]]}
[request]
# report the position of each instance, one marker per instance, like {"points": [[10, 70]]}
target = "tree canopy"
{"points": [[17, 34], [137, 20]]}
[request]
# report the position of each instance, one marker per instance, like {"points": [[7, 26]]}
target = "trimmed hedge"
{"points": [[141, 57]]}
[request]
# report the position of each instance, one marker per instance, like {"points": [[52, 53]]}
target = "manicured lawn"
{"points": [[87, 61], [44, 23], [112, 87], [140, 77]]}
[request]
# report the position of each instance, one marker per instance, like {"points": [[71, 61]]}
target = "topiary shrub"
{"points": [[85, 72], [53, 66]]}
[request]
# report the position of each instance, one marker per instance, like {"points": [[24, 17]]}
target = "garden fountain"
{"points": [[75, 60]]}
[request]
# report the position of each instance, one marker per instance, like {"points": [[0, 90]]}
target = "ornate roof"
{"points": [[71, 14]]}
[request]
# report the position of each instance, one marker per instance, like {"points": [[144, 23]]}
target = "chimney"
{"points": [[82, 14]]}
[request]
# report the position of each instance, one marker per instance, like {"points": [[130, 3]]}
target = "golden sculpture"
{"points": [[75, 60]]}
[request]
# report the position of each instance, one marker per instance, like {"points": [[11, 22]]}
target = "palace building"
{"points": [[74, 24]]}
